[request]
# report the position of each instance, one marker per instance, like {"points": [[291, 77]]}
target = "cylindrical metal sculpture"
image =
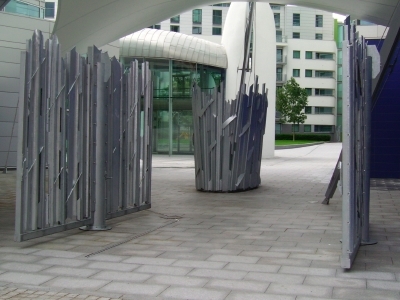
{"points": [[228, 139]]}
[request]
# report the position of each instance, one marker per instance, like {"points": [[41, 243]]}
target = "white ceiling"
{"points": [[98, 22]]}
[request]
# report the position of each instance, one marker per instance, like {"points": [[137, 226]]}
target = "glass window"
{"points": [[320, 55], [319, 21], [296, 35], [279, 55], [326, 74], [295, 128], [22, 8], [217, 31], [323, 92], [275, 7], [324, 110], [278, 74], [197, 16], [308, 55], [309, 91], [308, 110], [296, 19], [155, 26], [174, 28], [318, 36], [278, 128], [196, 30], [307, 128], [277, 18], [175, 19], [217, 17], [279, 36], [296, 54], [323, 128], [49, 10], [308, 73], [296, 72]]}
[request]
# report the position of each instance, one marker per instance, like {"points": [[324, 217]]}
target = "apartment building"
{"points": [[306, 50]]}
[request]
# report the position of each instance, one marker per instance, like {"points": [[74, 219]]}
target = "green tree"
{"points": [[291, 100]]}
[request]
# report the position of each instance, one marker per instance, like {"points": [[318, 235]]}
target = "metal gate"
{"points": [[82, 153], [357, 77]]}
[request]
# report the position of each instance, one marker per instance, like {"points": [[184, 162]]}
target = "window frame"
{"points": [[309, 52], [296, 52], [175, 20], [214, 32], [296, 19], [297, 35], [319, 21], [217, 19], [176, 26], [296, 72], [197, 13], [319, 36], [307, 73], [197, 27]]}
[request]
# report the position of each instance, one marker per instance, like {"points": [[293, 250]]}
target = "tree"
{"points": [[290, 102]]}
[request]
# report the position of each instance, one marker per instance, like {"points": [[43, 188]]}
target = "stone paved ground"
{"points": [[275, 242]]}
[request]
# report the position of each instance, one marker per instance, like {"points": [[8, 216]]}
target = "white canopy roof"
{"points": [[98, 22], [173, 45]]}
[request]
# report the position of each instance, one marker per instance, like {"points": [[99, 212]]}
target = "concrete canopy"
{"points": [[154, 43], [98, 22]]}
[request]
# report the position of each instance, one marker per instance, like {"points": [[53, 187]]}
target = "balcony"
{"points": [[281, 59], [280, 78], [281, 39]]}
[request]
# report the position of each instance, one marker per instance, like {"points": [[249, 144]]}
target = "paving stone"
{"points": [[241, 285], [57, 253], [149, 261], [15, 250], [24, 278], [307, 271], [365, 294], [111, 266], [275, 277], [383, 284], [194, 293], [66, 271], [199, 264], [366, 275], [134, 288], [19, 258], [232, 258], [266, 254], [336, 282], [293, 289], [222, 274], [257, 296], [178, 280], [22, 267], [121, 276], [167, 270], [63, 262], [253, 267], [76, 283], [106, 257]]}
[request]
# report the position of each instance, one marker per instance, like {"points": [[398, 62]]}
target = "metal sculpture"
{"points": [[228, 138], [82, 154], [357, 77]]}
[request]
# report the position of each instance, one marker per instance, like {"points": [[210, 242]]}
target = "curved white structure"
{"points": [[95, 22], [153, 43]]}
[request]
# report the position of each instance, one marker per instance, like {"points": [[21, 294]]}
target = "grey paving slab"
{"points": [[383, 284], [194, 293], [121, 276], [149, 261], [200, 264], [253, 267], [20, 258], [238, 285], [22, 267], [166, 270], [275, 277], [232, 258], [24, 278], [114, 266], [257, 296], [336, 282], [222, 274], [177, 280], [64, 262], [367, 294], [76, 283], [134, 288], [308, 271], [58, 253], [293, 289], [69, 271]]}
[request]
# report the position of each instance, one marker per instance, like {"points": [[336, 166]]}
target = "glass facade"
{"points": [[172, 101], [26, 9]]}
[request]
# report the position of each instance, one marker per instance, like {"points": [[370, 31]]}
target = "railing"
{"points": [[282, 59], [280, 77]]}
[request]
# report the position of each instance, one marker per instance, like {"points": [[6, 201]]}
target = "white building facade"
{"points": [[306, 50]]}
